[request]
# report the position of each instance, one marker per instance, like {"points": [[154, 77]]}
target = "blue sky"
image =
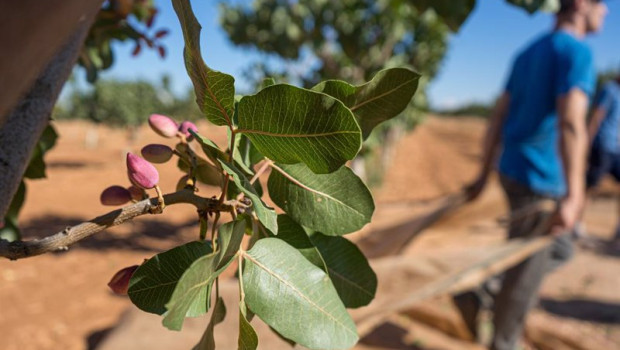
{"points": [[474, 69]]}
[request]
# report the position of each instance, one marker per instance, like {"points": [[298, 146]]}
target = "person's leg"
{"points": [[615, 172], [521, 283], [598, 165]]}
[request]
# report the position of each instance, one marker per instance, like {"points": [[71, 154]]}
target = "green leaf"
{"points": [[248, 339], [153, 283], [229, 240], [335, 204], [10, 231], [348, 269], [191, 292], [266, 215], [211, 150], [295, 297], [215, 91], [245, 154], [267, 82], [532, 6], [383, 98], [292, 233], [291, 125], [36, 166], [205, 172], [453, 12], [16, 203], [207, 342]]}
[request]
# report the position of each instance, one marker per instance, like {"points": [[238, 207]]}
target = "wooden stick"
{"points": [[509, 254]]}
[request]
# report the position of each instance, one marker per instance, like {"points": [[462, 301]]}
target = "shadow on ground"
{"points": [[585, 310], [388, 336]]}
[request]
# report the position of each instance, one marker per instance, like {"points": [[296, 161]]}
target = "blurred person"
{"points": [[538, 128], [604, 133]]}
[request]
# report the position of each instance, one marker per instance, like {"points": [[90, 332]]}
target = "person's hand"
{"points": [[473, 190], [566, 216]]}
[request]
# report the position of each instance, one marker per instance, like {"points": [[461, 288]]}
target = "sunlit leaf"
{"points": [[291, 125], [215, 91], [381, 99]]}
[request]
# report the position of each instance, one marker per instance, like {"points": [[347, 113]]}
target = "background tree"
{"points": [[352, 40]]}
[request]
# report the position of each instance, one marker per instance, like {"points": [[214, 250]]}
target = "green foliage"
{"points": [[248, 340], [295, 297], [296, 272], [335, 204], [119, 20], [9, 230], [114, 103], [267, 216], [215, 91], [207, 342], [154, 281], [384, 97], [294, 235], [475, 109], [352, 276], [454, 13], [297, 280], [120, 103], [532, 6], [292, 125]]}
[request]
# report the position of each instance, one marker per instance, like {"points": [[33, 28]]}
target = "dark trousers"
{"points": [[520, 285]]}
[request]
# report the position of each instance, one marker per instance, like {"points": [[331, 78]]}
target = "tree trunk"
{"points": [[24, 125]]}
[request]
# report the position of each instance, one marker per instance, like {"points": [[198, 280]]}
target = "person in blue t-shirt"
{"points": [[538, 129], [604, 131]]}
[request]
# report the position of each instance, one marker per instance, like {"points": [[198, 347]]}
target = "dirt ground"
{"points": [[61, 301]]}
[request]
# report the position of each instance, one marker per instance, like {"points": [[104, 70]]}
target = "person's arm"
{"points": [[572, 108], [491, 145]]}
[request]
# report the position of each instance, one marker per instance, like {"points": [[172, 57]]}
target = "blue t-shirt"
{"points": [[609, 100], [548, 68]]}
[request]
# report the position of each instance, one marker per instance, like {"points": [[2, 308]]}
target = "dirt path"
{"points": [[61, 300]]}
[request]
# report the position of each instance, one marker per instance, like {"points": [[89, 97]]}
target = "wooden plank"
{"points": [[497, 260]]}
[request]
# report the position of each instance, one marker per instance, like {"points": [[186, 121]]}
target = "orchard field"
{"points": [[61, 301]]}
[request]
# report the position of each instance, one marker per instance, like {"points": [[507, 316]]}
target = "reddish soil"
{"points": [[61, 301]]}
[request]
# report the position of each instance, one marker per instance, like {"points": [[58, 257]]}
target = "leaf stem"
{"points": [[240, 254], [261, 170]]}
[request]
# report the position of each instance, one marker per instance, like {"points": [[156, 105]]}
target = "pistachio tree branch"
{"points": [[62, 240]]}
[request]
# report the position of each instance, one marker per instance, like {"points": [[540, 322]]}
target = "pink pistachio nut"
{"points": [[137, 194], [186, 126], [115, 195], [120, 281], [163, 125], [141, 173], [156, 153]]}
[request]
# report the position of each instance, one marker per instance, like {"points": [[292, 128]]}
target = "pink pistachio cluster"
{"points": [[167, 127], [142, 174]]}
